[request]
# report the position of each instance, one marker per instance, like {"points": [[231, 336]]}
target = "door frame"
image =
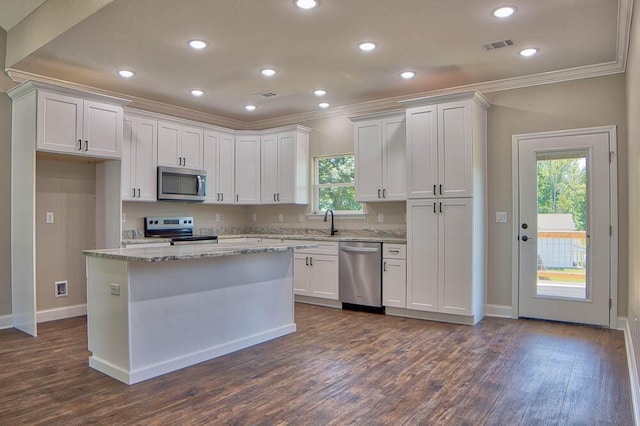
{"points": [[613, 213]]}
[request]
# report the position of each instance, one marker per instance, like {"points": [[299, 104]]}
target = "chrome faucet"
{"points": [[333, 228]]}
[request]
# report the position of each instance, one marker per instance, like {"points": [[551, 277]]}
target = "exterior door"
{"points": [[564, 226]]}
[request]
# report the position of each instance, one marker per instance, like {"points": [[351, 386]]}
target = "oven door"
{"points": [[177, 184]]}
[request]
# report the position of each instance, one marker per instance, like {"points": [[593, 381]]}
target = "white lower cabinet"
{"points": [[315, 271], [394, 276], [445, 257]]}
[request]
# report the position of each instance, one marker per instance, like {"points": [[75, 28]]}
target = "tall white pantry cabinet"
{"points": [[446, 208]]}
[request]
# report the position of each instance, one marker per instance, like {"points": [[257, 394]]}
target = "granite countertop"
{"points": [[195, 251], [310, 237]]}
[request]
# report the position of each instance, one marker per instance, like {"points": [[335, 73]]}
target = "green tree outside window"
{"points": [[334, 187]]}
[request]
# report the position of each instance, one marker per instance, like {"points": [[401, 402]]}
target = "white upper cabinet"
{"points": [[380, 155], [443, 149], [247, 173], [219, 162], [285, 167], [73, 125], [180, 146], [138, 166]]}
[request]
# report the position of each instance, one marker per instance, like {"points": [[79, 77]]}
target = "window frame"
{"points": [[316, 186]]}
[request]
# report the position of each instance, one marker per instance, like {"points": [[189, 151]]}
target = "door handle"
{"points": [[384, 266], [237, 198], [440, 207], [79, 144], [525, 238], [378, 193], [440, 189], [86, 146], [434, 190], [278, 196], [359, 249], [311, 261], [138, 192], [274, 196], [222, 196], [306, 260], [434, 208], [217, 196], [384, 191], [198, 183], [134, 192]]}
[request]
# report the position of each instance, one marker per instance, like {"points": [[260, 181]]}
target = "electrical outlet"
{"points": [[380, 217], [49, 217], [217, 217], [280, 218], [501, 217], [301, 217], [254, 217], [61, 288], [114, 289], [124, 217]]}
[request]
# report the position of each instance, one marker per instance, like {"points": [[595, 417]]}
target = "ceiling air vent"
{"points": [[267, 94], [498, 44]]}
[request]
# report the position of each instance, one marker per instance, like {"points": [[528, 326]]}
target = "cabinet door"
{"points": [[269, 160], [422, 152], [169, 144], [287, 167], [394, 283], [324, 270], [210, 159], [191, 148], [301, 274], [59, 126], [394, 168], [102, 125], [127, 180], [368, 156], [226, 168], [247, 170], [455, 168], [455, 260], [422, 255], [144, 167]]}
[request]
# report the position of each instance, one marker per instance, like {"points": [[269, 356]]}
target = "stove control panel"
{"points": [[165, 223]]}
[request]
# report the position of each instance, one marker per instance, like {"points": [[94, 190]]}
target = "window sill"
{"points": [[315, 216]]}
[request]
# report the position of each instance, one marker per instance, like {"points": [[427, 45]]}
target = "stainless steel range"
{"points": [[179, 229]]}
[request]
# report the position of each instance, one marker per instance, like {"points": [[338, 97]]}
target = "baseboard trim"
{"points": [[622, 324], [318, 301], [633, 371], [499, 311], [6, 321], [62, 313]]}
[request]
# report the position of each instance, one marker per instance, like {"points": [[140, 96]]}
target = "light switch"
{"points": [[217, 217], [280, 218], [254, 217], [49, 217], [380, 217], [501, 217]]}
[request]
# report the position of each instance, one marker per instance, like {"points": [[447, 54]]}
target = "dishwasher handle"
{"points": [[360, 249]]}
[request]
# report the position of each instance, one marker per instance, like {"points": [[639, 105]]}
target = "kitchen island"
{"points": [[155, 310]]}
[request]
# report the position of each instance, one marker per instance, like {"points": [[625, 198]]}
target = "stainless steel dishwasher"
{"points": [[360, 282]]}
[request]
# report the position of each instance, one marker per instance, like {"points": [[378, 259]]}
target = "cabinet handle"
{"points": [[311, 261], [237, 198], [274, 196], [440, 207], [378, 193], [86, 146], [434, 189], [138, 192], [434, 207], [440, 189], [306, 260], [79, 144], [278, 196], [134, 192], [394, 250], [222, 196], [384, 266], [384, 193]]}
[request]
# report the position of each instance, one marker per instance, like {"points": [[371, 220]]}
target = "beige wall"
{"points": [[574, 104], [68, 189], [5, 205], [633, 162]]}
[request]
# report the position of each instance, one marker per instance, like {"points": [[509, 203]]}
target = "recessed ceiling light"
{"points": [[367, 46], [197, 92], [198, 44], [125, 73], [306, 4], [407, 75], [324, 105], [319, 92], [504, 11], [268, 72], [250, 107], [528, 52]]}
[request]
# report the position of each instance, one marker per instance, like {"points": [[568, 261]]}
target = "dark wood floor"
{"points": [[340, 367]]}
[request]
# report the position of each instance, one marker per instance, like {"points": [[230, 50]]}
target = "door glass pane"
{"points": [[562, 241]]}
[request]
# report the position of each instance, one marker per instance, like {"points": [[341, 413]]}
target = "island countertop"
{"points": [[195, 251]]}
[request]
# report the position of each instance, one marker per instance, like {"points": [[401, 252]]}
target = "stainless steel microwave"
{"points": [[178, 184]]}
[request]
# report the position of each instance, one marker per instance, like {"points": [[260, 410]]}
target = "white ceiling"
{"points": [[14, 11], [439, 39]]}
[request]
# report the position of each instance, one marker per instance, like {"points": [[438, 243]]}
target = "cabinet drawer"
{"points": [[397, 251], [324, 247]]}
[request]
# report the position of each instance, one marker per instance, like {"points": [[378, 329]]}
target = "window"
{"points": [[333, 185]]}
